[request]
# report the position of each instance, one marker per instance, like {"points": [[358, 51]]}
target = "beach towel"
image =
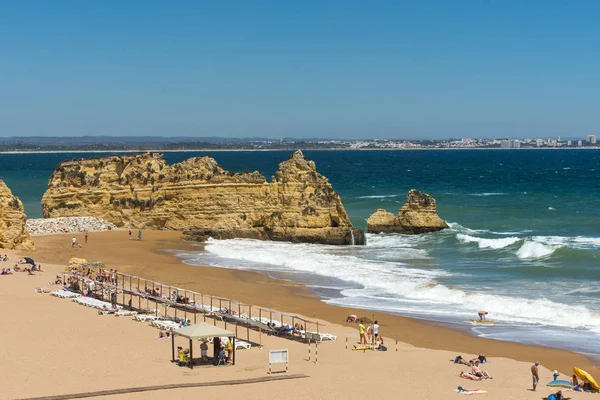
{"points": [[470, 391]]}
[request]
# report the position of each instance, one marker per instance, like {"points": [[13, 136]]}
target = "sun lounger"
{"points": [[239, 344], [95, 303], [242, 345], [125, 313], [319, 337], [146, 317], [166, 324], [65, 294]]}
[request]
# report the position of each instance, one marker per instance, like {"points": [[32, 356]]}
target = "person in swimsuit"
{"points": [[535, 374]]}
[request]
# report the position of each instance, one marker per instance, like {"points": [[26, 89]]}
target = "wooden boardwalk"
{"points": [[168, 387]]}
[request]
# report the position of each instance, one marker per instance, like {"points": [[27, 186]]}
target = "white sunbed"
{"points": [[146, 317], [125, 313], [166, 324], [65, 294], [318, 337], [239, 344], [95, 303]]}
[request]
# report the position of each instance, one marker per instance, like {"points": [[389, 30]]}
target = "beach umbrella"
{"points": [[29, 260]]}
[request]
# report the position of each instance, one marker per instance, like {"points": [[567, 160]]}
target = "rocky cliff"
{"points": [[198, 196], [13, 234], [418, 215]]}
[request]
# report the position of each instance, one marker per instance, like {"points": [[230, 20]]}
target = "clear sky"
{"points": [[342, 69]]}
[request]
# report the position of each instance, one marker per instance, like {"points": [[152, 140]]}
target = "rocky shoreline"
{"points": [[197, 195], [46, 226]]}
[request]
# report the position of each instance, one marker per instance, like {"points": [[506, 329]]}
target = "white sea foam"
{"points": [[394, 286], [382, 196], [589, 241], [487, 194], [534, 250], [455, 226], [577, 242], [551, 209], [483, 243]]}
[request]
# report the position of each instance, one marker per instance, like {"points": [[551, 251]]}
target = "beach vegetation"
{"points": [[63, 204], [14, 203], [82, 176], [309, 211]]}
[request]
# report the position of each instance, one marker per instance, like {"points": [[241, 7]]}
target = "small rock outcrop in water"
{"points": [[13, 234], [198, 196], [418, 215]]}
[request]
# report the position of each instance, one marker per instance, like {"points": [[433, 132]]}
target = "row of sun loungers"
{"points": [[95, 303], [166, 324], [268, 325]]}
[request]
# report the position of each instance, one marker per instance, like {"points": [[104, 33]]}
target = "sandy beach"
{"points": [[54, 346]]}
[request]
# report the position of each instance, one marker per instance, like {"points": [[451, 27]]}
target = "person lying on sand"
{"points": [[475, 370], [557, 396], [469, 376], [460, 360]]}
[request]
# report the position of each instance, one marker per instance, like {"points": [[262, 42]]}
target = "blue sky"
{"points": [[339, 69]]}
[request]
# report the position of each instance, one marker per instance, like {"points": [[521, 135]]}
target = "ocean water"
{"points": [[523, 243]]}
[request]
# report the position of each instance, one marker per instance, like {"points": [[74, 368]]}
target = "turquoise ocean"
{"points": [[523, 243]]}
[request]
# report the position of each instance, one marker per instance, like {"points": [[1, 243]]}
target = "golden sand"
{"points": [[53, 346]]}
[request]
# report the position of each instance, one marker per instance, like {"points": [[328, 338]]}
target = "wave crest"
{"points": [[483, 243], [535, 250]]}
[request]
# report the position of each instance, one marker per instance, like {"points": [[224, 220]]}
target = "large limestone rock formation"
{"points": [[13, 234], [418, 215], [198, 196]]}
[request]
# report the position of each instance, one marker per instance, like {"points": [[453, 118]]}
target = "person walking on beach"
{"points": [[361, 332], [140, 235], [73, 242], [86, 235], [376, 330], [535, 374], [130, 234]]}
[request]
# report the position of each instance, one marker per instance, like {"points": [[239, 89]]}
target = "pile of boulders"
{"points": [[44, 226]]}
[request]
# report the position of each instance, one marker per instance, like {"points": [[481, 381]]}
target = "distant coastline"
{"points": [[287, 149]]}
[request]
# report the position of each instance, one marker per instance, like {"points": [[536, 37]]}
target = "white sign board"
{"points": [[278, 356]]}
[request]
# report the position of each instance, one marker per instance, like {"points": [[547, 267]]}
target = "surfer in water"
{"points": [[482, 315]]}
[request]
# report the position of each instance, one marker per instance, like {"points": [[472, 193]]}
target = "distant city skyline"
{"points": [[336, 70]]}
